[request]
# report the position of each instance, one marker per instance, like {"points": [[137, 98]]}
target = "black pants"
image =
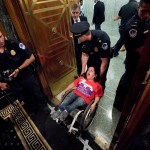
{"points": [[29, 90], [120, 42], [97, 26], [2, 125], [78, 54], [122, 89]]}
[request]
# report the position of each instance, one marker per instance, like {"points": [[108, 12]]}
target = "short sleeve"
{"points": [[23, 50], [105, 49], [120, 11]]}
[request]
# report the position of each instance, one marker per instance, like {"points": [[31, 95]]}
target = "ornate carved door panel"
{"points": [[48, 22]]}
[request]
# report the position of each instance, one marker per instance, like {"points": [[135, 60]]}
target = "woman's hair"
{"points": [[97, 78], [74, 6]]}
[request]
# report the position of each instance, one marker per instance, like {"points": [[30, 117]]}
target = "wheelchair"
{"points": [[82, 117]]}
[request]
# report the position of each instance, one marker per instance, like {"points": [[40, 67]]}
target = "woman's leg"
{"points": [[79, 101], [67, 101], [62, 107]]}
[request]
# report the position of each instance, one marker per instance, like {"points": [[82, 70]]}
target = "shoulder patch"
{"points": [[133, 33], [22, 46], [104, 46]]}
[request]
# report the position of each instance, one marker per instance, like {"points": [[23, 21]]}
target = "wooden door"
{"points": [[48, 22], [2, 29]]}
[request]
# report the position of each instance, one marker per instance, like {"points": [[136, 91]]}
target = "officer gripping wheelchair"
{"points": [[81, 118]]}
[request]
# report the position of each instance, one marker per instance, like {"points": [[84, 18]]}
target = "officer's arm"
{"points": [[27, 62], [103, 66], [84, 59]]}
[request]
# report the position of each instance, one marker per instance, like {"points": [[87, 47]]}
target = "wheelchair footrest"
{"points": [[74, 120]]}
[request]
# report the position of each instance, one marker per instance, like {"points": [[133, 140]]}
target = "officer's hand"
{"points": [[4, 86], [82, 73], [15, 73]]}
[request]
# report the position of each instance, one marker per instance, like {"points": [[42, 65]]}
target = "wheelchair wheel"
{"points": [[87, 117]]}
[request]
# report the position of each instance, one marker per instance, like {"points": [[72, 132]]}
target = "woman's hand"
{"points": [[92, 107]]}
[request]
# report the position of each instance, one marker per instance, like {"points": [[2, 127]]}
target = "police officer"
{"points": [[125, 14], [95, 48], [15, 61], [135, 35]]}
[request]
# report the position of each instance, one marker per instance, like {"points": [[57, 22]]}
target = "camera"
{"points": [[5, 76]]}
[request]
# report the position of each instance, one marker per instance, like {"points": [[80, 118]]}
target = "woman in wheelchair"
{"points": [[85, 89]]}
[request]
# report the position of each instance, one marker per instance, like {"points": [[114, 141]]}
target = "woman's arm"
{"points": [[70, 86], [96, 100]]}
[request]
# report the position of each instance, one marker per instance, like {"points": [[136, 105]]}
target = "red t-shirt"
{"points": [[87, 89]]}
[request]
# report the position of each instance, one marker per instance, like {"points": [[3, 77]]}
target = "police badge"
{"points": [[12, 52]]}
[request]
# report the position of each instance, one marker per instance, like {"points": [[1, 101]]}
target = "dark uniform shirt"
{"points": [[127, 11], [135, 35], [98, 47], [14, 55]]}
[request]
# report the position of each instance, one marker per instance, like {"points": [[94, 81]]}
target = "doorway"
{"points": [[46, 27]]}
